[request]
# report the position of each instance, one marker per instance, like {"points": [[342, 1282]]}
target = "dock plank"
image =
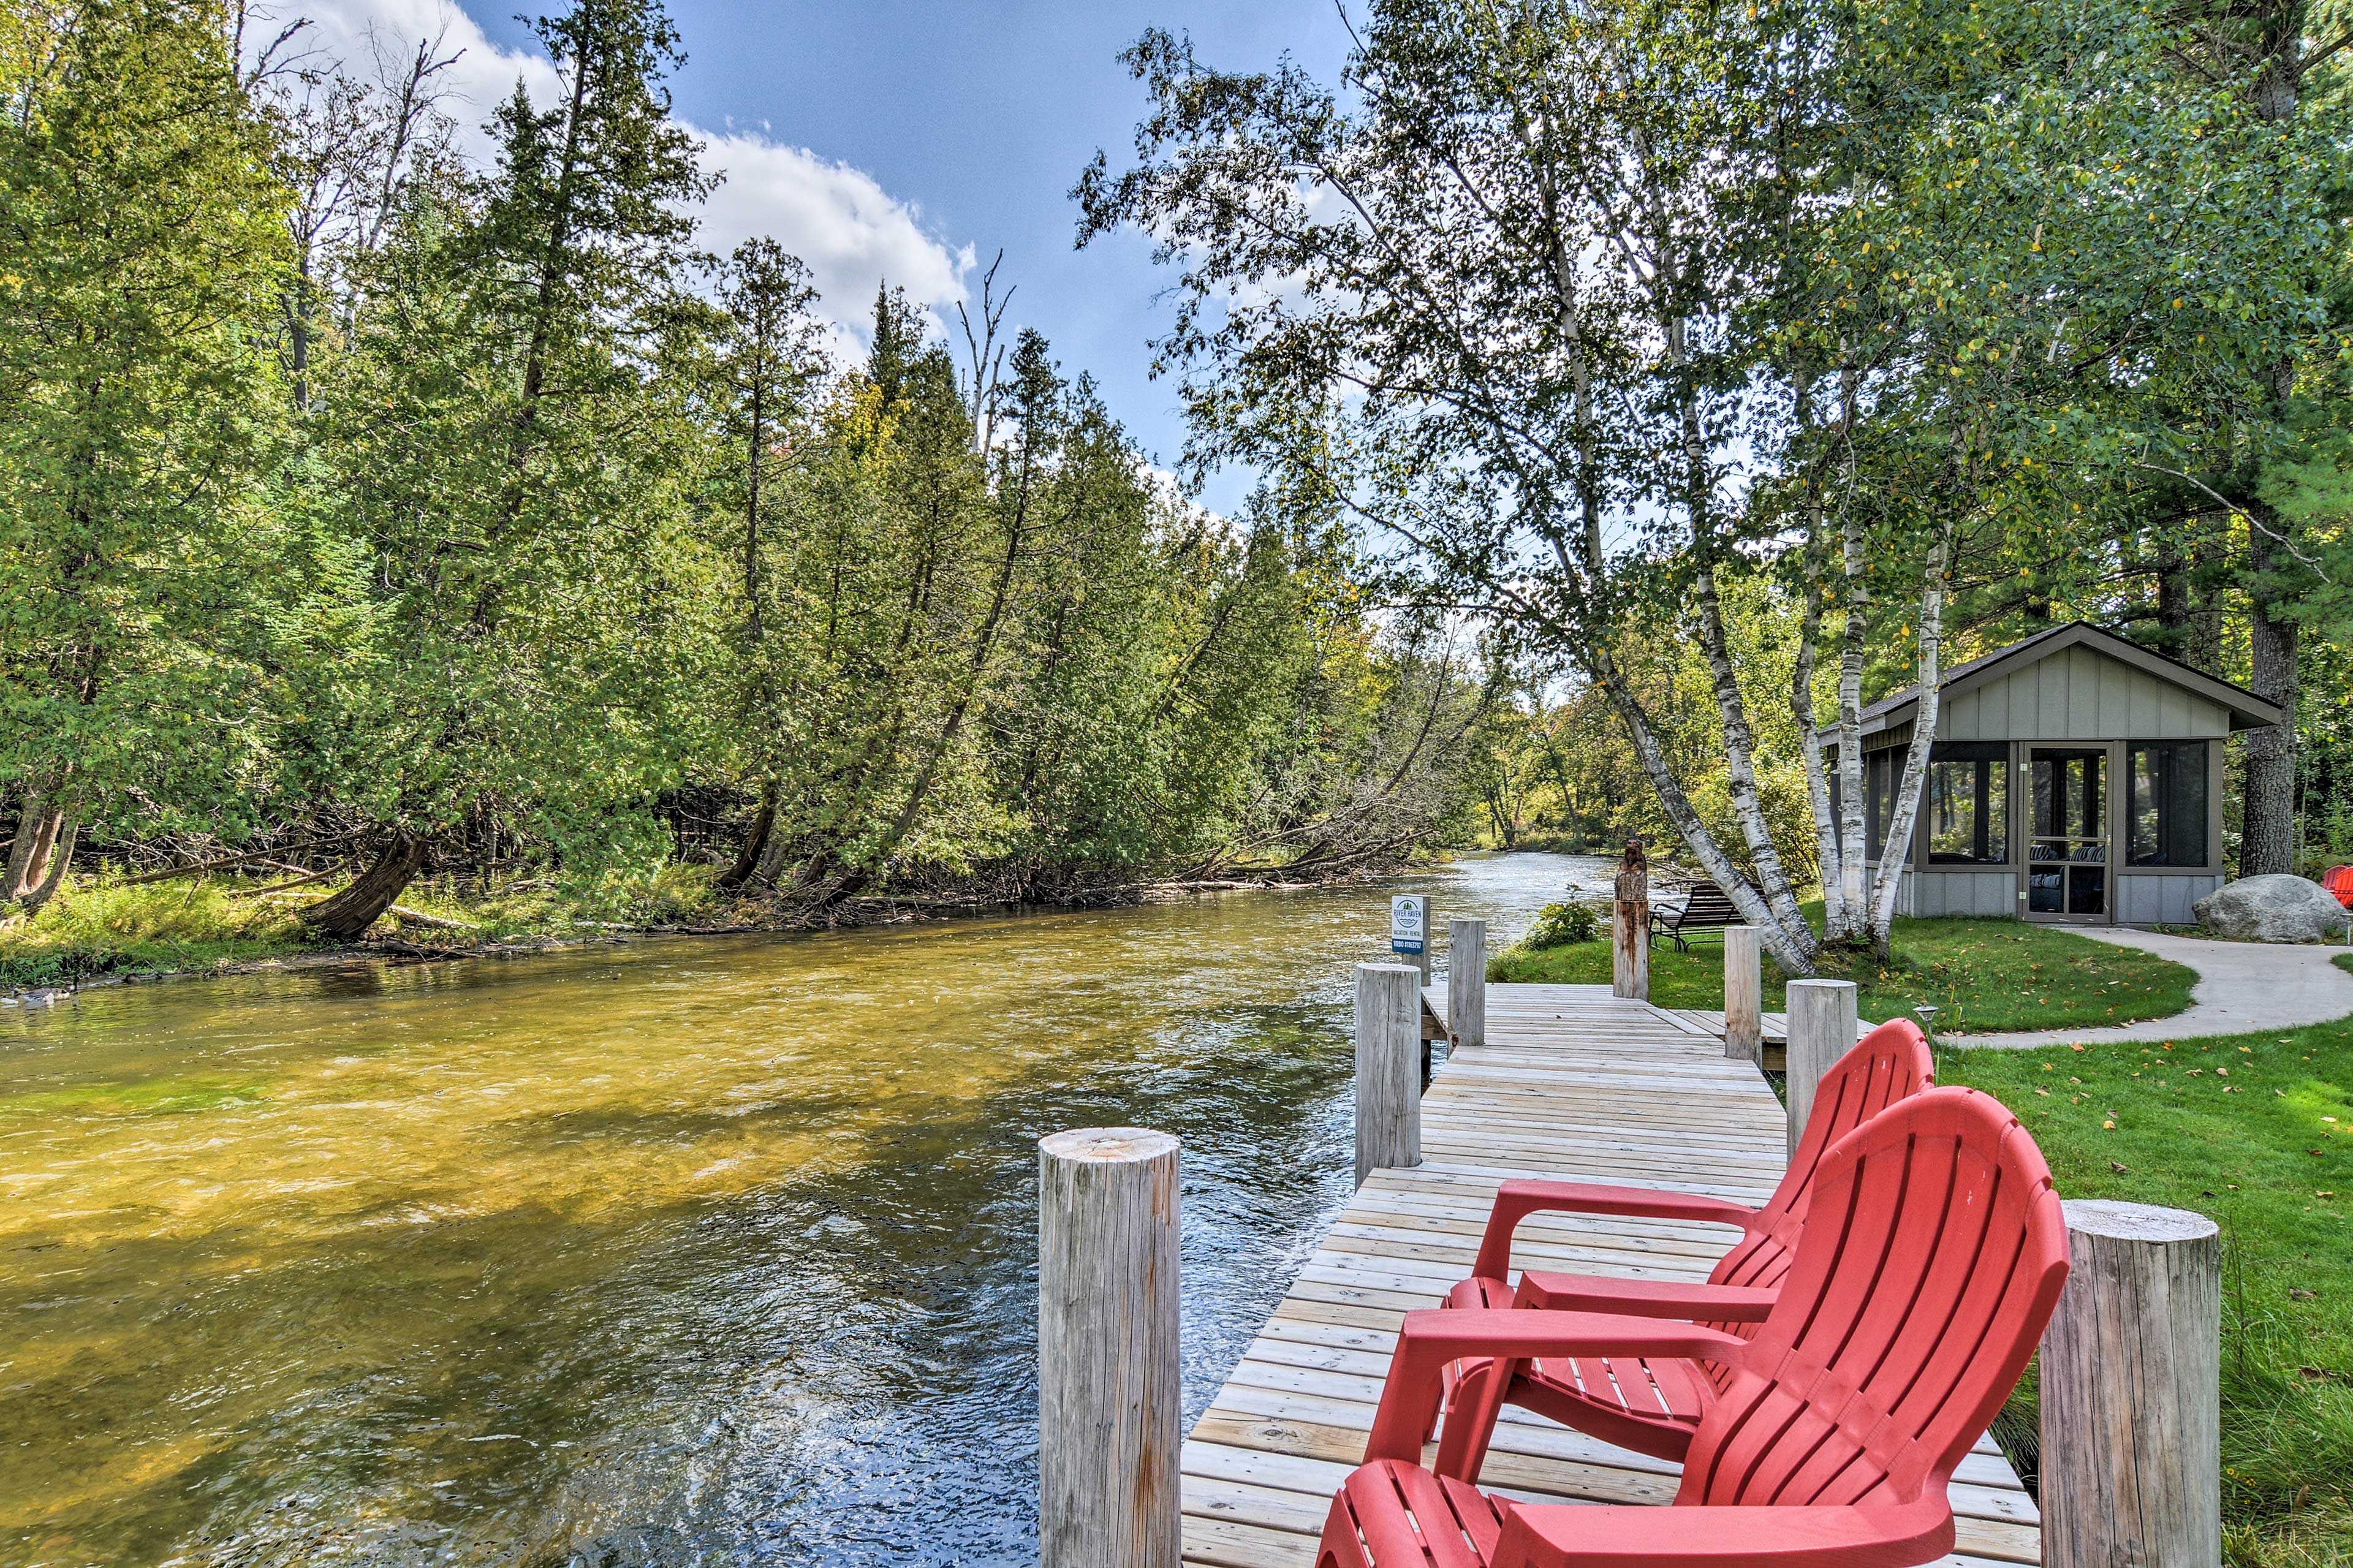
{"points": [[1571, 1083]]}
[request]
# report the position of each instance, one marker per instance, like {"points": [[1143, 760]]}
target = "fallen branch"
{"points": [[261, 855], [437, 922], [303, 880]]}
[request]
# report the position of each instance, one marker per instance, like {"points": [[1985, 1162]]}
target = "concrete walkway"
{"points": [[2243, 987]]}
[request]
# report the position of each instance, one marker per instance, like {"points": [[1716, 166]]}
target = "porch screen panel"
{"points": [[1968, 804], [2166, 781]]}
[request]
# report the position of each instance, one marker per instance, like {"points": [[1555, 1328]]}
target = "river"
{"points": [[686, 1251]]}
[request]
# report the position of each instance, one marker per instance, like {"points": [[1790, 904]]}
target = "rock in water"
{"points": [[2277, 908]]}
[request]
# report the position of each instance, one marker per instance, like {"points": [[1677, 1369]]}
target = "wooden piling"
{"points": [[1466, 982], [2131, 1392], [1743, 995], [1629, 926], [1388, 1068], [1109, 1382], [1821, 1029]]}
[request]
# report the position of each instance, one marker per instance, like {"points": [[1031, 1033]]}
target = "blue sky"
{"points": [[914, 141]]}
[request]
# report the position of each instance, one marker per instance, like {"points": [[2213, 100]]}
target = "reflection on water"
{"points": [[689, 1252]]}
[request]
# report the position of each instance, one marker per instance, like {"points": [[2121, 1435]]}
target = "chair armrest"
{"points": [[1644, 1298], [1553, 1535], [1516, 1200], [1435, 1337]]}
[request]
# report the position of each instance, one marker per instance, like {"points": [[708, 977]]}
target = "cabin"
{"points": [[2075, 778]]}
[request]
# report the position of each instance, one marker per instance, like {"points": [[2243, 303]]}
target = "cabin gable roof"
{"points": [[2246, 709]]}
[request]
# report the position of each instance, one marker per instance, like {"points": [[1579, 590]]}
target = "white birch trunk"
{"points": [[1837, 921], [1792, 951], [1739, 750], [1896, 855]]}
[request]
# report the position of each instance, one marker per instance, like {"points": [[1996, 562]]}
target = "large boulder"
{"points": [[2277, 908]]}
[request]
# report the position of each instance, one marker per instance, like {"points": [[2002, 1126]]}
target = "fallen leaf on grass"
{"points": [[2119, 1170], [2303, 1296]]}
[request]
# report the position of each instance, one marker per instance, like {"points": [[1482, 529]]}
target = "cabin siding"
{"points": [[2080, 695], [2160, 900], [1946, 890]]}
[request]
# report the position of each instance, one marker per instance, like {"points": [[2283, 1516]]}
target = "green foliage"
{"points": [[1562, 925], [474, 536], [140, 243]]}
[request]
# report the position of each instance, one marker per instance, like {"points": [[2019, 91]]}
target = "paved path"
{"points": [[2243, 987]]}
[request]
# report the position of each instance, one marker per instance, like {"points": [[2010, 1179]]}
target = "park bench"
{"points": [[1706, 907], [1931, 1257]]}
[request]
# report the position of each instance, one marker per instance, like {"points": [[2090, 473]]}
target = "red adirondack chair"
{"points": [[1933, 1254], [2338, 880], [1652, 1404]]}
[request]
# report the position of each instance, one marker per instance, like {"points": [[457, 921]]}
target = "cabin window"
{"points": [[1968, 804], [1882, 772], [2167, 783]]}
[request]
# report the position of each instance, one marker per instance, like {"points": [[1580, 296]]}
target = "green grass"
{"points": [[1985, 975], [2255, 1131], [167, 927], [97, 927]]}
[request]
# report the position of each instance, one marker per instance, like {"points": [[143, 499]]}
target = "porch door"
{"points": [[2067, 856]]}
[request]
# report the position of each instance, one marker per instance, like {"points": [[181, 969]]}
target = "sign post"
{"points": [[1410, 931]]}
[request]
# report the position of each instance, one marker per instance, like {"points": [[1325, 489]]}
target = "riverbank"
{"points": [[99, 933]]}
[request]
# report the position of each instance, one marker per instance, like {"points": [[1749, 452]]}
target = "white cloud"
{"points": [[357, 33], [853, 234]]}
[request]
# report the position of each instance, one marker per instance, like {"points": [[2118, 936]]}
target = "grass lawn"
{"points": [[2255, 1131], [1986, 975], [98, 927]]}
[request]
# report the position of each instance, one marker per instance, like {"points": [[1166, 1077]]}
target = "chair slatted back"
{"points": [[1933, 1254], [1889, 1064]]}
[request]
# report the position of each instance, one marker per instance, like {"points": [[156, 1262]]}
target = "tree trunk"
{"points": [[2268, 837], [1739, 750], [1794, 952], [53, 876], [350, 912], [1852, 852], [1835, 920], [1896, 855], [755, 841], [28, 856]]}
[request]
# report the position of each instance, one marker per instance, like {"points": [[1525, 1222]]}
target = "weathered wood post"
{"points": [[1388, 1068], [1630, 927], [2132, 1393], [1743, 993], [1821, 1030], [1466, 982], [1110, 1386]]}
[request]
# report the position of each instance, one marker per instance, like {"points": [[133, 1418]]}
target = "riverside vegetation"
{"points": [[370, 520]]}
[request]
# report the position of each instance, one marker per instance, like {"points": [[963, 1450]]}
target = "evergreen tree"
{"points": [[140, 253]]}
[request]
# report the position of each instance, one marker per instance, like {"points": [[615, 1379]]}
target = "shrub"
{"points": [[1563, 925]]}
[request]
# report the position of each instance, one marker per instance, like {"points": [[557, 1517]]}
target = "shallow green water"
{"points": [[689, 1251]]}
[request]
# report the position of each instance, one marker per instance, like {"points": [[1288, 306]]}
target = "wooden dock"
{"points": [[1571, 1083]]}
